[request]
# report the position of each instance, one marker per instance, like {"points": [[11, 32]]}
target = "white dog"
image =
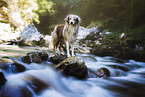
{"points": [[66, 34]]}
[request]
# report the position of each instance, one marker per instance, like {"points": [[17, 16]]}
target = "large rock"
{"points": [[35, 56], [19, 67], [10, 65], [73, 66], [4, 63], [30, 36], [2, 79], [36, 84]]}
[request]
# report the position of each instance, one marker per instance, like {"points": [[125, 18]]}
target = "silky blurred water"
{"points": [[127, 79]]}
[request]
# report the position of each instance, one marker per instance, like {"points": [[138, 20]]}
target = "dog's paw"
{"points": [[73, 55], [68, 55]]}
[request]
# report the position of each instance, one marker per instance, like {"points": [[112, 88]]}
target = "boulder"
{"points": [[27, 59], [4, 63], [102, 72], [36, 84], [73, 66], [19, 67], [57, 58], [35, 56], [2, 79], [42, 54], [10, 65], [30, 36]]}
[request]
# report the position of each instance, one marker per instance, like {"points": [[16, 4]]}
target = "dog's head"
{"points": [[73, 20]]}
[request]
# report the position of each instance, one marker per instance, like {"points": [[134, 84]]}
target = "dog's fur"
{"points": [[66, 34]]}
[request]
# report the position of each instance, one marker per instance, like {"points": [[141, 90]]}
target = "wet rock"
{"points": [[4, 63], [2, 79], [36, 84], [73, 66], [35, 56], [42, 54], [11, 65], [26, 59], [57, 58], [19, 67], [102, 72]]}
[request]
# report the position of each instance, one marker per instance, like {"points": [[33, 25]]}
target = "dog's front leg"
{"points": [[67, 47], [72, 47]]}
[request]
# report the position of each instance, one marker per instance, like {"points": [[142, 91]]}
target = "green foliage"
{"points": [[44, 6], [29, 10], [116, 16], [95, 24]]}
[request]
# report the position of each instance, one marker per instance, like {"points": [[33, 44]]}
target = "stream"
{"points": [[127, 78]]}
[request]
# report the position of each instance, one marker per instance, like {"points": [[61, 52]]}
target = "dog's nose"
{"points": [[71, 23]]}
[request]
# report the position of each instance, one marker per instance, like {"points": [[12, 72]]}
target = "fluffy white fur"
{"points": [[69, 33]]}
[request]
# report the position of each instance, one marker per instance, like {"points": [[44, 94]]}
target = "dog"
{"points": [[66, 34]]}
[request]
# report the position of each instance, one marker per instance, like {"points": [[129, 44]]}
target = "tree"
{"points": [[23, 12]]}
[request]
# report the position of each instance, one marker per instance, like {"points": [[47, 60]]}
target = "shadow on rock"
{"points": [[57, 58]]}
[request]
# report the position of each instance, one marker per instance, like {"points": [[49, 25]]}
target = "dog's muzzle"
{"points": [[71, 23]]}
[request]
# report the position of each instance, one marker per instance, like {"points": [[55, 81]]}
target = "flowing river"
{"points": [[127, 78]]}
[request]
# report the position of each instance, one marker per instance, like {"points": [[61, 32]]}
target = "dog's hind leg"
{"points": [[72, 48], [67, 47]]}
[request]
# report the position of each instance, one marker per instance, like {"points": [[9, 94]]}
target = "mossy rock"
{"points": [[73, 66]]}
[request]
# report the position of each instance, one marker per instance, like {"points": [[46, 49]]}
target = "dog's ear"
{"points": [[79, 20], [67, 19]]}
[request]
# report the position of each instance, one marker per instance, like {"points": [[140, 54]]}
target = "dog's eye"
{"points": [[69, 18], [74, 19]]}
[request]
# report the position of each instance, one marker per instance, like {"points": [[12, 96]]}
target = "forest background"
{"points": [[116, 16]]}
